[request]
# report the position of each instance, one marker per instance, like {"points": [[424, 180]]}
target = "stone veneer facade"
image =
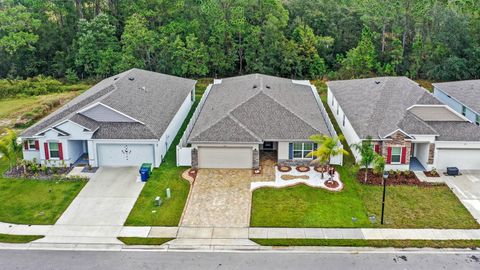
{"points": [[398, 139]]}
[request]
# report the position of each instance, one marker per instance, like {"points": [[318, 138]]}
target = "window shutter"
{"points": [[25, 145], [377, 148], [404, 155], [60, 151], [389, 155], [290, 151], [37, 145], [45, 147]]}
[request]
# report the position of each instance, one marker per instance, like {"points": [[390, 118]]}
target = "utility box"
{"points": [[453, 171]]}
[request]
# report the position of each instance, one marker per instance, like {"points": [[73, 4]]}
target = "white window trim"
{"points": [[30, 148], [303, 150], [50, 151], [400, 156]]}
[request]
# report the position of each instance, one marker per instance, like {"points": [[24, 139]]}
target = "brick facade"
{"points": [[397, 140], [431, 153]]}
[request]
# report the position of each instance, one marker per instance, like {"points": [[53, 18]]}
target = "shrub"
{"points": [[35, 86]]}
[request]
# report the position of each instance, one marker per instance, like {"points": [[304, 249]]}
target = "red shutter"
{"points": [[389, 155], [37, 146], [377, 148], [25, 145], [45, 147], [404, 155], [60, 151]]}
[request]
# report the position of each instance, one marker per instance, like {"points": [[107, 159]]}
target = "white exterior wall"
{"points": [[171, 132], [454, 104], [350, 135], [282, 151], [31, 154]]}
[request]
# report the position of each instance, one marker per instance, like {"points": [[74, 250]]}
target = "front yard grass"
{"points": [[472, 244], [144, 241], [145, 213], [405, 207], [18, 239], [27, 201]]}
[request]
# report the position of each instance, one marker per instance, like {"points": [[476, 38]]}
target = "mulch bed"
{"points": [[332, 184], [18, 172], [287, 177], [431, 174], [193, 173], [394, 179], [303, 168], [284, 168]]}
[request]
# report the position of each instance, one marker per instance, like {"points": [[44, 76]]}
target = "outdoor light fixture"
{"points": [[385, 177]]}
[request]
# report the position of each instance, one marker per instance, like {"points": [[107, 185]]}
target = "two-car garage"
{"points": [[462, 158], [128, 154], [225, 157]]}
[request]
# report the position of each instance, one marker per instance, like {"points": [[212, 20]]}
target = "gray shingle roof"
{"points": [[378, 106], [456, 131], [149, 97], [258, 107], [467, 92]]}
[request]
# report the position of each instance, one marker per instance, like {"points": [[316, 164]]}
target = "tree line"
{"points": [[341, 39]]}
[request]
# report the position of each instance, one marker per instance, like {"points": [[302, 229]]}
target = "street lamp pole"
{"points": [[385, 176]]}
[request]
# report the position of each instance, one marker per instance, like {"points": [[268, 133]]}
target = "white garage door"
{"points": [[464, 159], [118, 155], [225, 157]]}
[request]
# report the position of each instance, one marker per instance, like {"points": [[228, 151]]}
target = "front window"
{"points": [[31, 145], [301, 150], [477, 120], [464, 110], [338, 108], [53, 148], [333, 101], [396, 154], [343, 122]]}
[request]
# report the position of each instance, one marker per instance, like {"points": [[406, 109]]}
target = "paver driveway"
{"points": [[219, 198], [99, 211]]}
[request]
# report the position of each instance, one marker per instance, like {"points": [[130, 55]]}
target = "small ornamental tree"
{"points": [[327, 147], [10, 148], [378, 164], [366, 152]]}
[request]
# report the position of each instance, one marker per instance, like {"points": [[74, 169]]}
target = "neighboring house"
{"points": [[462, 96], [409, 126], [124, 120], [241, 118]]}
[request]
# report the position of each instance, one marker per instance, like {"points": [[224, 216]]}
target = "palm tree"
{"points": [[10, 148], [327, 147], [366, 152]]}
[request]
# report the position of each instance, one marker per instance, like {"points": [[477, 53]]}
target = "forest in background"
{"points": [[302, 39]]}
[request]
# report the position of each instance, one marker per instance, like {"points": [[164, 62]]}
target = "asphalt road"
{"points": [[134, 260]]}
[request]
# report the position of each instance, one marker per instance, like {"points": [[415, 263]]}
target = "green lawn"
{"points": [[406, 206], [473, 244], [144, 241], [18, 239], [27, 201], [145, 213]]}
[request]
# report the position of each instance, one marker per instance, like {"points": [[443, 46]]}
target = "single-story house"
{"points": [[124, 120], [462, 96], [408, 125], [244, 117]]}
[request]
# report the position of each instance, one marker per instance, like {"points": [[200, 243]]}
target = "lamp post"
{"points": [[385, 176]]}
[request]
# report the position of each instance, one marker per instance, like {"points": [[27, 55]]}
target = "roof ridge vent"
{"points": [[143, 88], [267, 86], [254, 86], [131, 78]]}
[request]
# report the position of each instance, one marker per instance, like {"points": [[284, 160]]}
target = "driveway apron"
{"points": [[467, 189], [219, 198], [98, 213]]}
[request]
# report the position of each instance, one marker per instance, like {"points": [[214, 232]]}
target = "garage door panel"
{"points": [[118, 155], [464, 159], [225, 157]]}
